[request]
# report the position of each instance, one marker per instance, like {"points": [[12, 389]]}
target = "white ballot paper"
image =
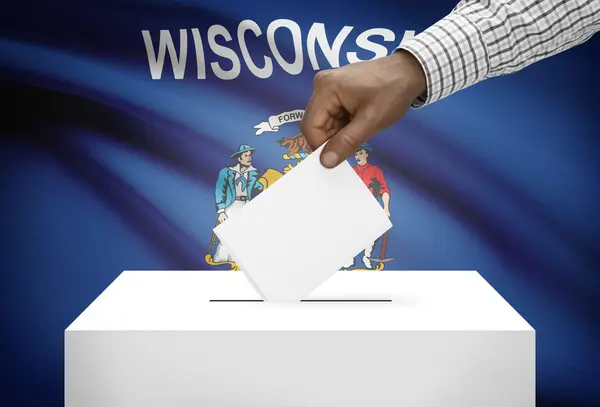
{"points": [[302, 229]]}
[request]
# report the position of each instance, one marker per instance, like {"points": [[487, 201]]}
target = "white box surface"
{"points": [[430, 339]]}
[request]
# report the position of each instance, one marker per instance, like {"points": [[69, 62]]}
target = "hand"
{"points": [[387, 212], [351, 104], [222, 217]]}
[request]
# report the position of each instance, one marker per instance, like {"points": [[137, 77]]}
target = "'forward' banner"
{"points": [[274, 122]]}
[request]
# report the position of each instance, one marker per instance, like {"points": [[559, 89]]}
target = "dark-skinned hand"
{"points": [[351, 104]]}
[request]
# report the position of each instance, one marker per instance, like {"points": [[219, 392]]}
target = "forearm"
{"points": [[483, 39], [385, 198], [219, 203]]}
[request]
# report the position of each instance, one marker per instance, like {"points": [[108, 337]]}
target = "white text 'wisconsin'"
{"points": [[228, 50]]}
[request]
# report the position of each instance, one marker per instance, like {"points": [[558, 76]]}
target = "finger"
{"points": [[317, 119], [313, 123], [345, 143]]}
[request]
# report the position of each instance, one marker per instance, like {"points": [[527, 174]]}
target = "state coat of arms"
{"points": [[240, 182]]}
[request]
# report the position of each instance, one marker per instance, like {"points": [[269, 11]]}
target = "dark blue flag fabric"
{"points": [[123, 125]]}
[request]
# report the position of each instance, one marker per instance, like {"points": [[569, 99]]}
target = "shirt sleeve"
{"points": [[481, 39], [384, 188], [220, 194]]}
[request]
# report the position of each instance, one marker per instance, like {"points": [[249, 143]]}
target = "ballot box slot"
{"points": [[346, 301], [341, 300]]}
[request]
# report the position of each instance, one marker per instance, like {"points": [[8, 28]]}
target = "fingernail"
{"points": [[329, 159]]}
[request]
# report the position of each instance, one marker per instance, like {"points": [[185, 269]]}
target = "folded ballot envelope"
{"points": [[338, 218]]}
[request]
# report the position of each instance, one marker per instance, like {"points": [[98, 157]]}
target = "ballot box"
{"points": [[368, 339]]}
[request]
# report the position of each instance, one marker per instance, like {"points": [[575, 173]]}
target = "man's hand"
{"points": [[351, 104], [222, 217]]}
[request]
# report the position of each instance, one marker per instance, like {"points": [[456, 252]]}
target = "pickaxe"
{"points": [[382, 258]]}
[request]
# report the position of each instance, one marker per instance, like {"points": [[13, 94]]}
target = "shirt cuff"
{"points": [[220, 211], [453, 56]]}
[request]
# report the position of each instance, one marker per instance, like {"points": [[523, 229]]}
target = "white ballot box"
{"points": [[368, 339]]}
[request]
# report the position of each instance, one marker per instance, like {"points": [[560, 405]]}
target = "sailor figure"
{"points": [[235, 187]]}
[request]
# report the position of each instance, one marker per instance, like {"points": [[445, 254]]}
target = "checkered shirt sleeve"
{"points": [[481, 39]]}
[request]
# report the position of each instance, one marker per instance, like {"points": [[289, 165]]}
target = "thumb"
{"points": [[345, 143]]}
